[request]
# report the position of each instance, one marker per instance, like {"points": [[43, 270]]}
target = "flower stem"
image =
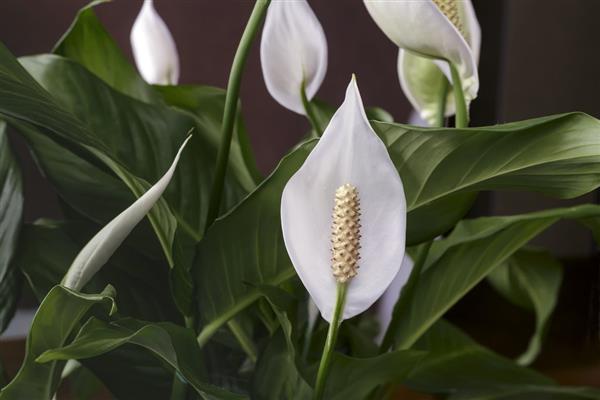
{"points": [[440, 115], [332, 334], [310, 112], [462, 114], [231, 101]]}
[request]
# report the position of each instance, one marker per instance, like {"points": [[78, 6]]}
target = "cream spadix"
{"points": [[293, 50], [154, 49], [369, 214], [102, 246], [423, 80], [439, 29]]}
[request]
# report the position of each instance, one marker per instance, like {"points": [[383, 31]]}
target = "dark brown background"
{"points": [[538, 57]]}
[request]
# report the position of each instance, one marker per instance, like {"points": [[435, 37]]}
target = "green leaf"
{"points": [[455, 363], [462, 369], [460, 261], [530, 279], [276, 375], [442, 169], [48, 248], [54, 322], [529, 392], [173, 344], [11, 210], [228, 272], [87, 42], [557, 155], [206, 104], [355, 378]]}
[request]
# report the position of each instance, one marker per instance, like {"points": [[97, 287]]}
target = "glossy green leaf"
{"points": [[173, 344], [460, 261], [228, 272], [557, 155], [206, 104], [530, 279], [87, 42], [11, 210], [56, 319]]}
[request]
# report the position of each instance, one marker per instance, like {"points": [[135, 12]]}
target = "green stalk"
{"points": [[440, 115], [231, 101], [243, 339], [462, 114], [310, 112], [332, 335]]}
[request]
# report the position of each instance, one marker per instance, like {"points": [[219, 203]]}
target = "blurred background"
{"points": [[538, 57]]}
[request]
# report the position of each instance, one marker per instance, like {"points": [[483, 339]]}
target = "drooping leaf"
{"points": [[459, 368], [530, 279], [173, 344], [11, 210], [456, 363], [457, 263], [557, 155], [54, 322]]}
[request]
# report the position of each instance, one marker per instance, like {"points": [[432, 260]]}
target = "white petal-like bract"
{"points": [[349, 152], [422, 79], [421, 27], [153, 47], [293, 49], [99, 249]]}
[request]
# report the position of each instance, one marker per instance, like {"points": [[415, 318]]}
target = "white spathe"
{"points": [[348, 152], [422, 28], [422, 78], [153, 47], [102, 246], [293, 49]]}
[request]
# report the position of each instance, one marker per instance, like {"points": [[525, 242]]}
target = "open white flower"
{"points": [[445, 30], [424, 82], [293, 50], [153, 47], [102, 246], [348, 169]]}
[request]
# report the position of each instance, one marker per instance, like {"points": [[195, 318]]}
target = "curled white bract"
{"points": [[154, 48], [349, 152], [428, 38], [293, 50], [102, 246]]}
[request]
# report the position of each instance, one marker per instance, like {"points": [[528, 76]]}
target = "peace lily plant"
{"points": [[180, 272]]}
